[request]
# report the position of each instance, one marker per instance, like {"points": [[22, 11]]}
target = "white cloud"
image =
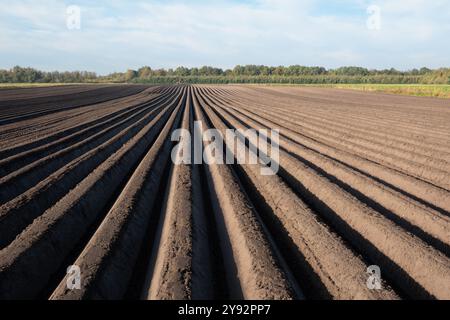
{"points": [[119, 34]]}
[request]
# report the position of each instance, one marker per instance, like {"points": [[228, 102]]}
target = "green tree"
{"points": [[130, 75]]}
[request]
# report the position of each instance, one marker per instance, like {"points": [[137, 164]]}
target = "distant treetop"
{"points": [[239, 74]]}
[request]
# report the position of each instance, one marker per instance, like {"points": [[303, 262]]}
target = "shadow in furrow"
{"points": [[393, 273], [438, 244]]}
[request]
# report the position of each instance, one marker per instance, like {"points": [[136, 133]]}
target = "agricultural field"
{"points": [[29, 85], [421, 90], [88, 179]]}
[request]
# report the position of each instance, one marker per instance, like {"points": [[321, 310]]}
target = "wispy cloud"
{"points": [[117, 34]]}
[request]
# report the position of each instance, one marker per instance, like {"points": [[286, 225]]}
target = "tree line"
{"points": [[295, 74], [30, 75]]}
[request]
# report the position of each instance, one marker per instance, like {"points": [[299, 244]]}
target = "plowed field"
{"points": [[87, 179]]}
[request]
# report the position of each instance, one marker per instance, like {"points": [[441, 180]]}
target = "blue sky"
{"points": [[117, 34]]}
